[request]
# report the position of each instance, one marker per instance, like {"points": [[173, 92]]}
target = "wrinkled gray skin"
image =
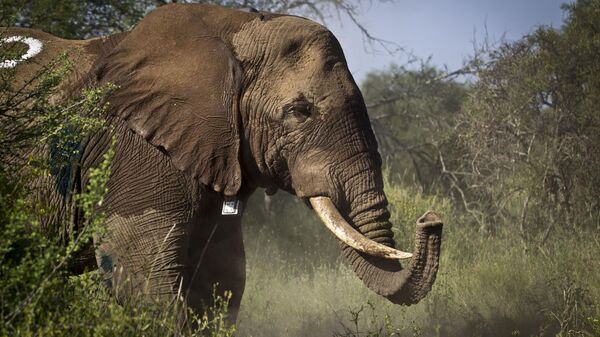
{"points": [[216, 102]]}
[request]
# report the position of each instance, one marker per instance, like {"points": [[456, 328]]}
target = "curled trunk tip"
{"points": [[429, 219], [422, 270]]}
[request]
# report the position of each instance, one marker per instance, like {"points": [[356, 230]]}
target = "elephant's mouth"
{"points": [[377, 265]]}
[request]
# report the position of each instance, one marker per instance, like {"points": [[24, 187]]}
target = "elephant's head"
{"points": [[239, 98]]}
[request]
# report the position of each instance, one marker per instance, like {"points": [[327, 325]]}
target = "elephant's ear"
{"points": [[178, 87]]}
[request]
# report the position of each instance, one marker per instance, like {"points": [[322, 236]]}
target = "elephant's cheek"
{"points": [[309, 180]]}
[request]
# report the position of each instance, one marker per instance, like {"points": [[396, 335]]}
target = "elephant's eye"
{"points": [[298, 109]]}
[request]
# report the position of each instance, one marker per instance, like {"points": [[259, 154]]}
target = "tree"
{"points": [[531, 128], [74, 19], [413, 113], [78, 19]]}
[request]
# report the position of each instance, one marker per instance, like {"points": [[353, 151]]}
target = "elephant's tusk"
{"points": [[332, 218]]}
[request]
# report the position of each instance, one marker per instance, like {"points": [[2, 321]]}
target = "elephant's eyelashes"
{"points": [[298, 109]]}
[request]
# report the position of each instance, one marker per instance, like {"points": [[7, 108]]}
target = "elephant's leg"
{"points": [[149, 208], [144, 255], [217, 258]]}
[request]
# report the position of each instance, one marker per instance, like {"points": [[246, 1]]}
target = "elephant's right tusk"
{"points": [[332, 218]]}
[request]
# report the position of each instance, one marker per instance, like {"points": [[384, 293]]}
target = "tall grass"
{"points": [[489, 284]]}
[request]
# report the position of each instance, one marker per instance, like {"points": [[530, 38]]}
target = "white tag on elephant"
{"points": [[231, 207]]}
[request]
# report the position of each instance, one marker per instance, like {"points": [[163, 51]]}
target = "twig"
{"points": [[200, 260]]}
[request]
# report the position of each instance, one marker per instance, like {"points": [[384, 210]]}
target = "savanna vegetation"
{"points": [[508, 158]]}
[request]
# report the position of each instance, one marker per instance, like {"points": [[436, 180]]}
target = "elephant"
{"points": [[211, 104]]}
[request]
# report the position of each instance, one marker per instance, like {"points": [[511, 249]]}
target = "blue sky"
{"points": [[443, 29]]}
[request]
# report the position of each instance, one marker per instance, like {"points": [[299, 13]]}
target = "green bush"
{"points": [[39, 293]]}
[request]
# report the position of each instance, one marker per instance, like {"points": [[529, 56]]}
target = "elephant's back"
{"points": [[31, 52], [37, 52]]}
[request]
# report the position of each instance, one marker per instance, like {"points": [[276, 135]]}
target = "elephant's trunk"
{"points": [[333, 220], [387, 277], [369, 248]]}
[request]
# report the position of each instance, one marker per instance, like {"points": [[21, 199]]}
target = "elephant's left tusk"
{"points": [[333, 220]]}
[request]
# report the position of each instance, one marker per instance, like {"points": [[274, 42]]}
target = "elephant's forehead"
{"points": [[289, 50], [258, 37], [291, 57]]}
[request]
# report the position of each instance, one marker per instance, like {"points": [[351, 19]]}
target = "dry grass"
{"points": [[488, 284]]}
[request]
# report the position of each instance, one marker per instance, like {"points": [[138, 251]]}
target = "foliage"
{"points": [[33, 265], [39, 292], [34, 284], [366, 322], [74, 18], [413, 113], [214, 321], [77, 19], [532, 132]]}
